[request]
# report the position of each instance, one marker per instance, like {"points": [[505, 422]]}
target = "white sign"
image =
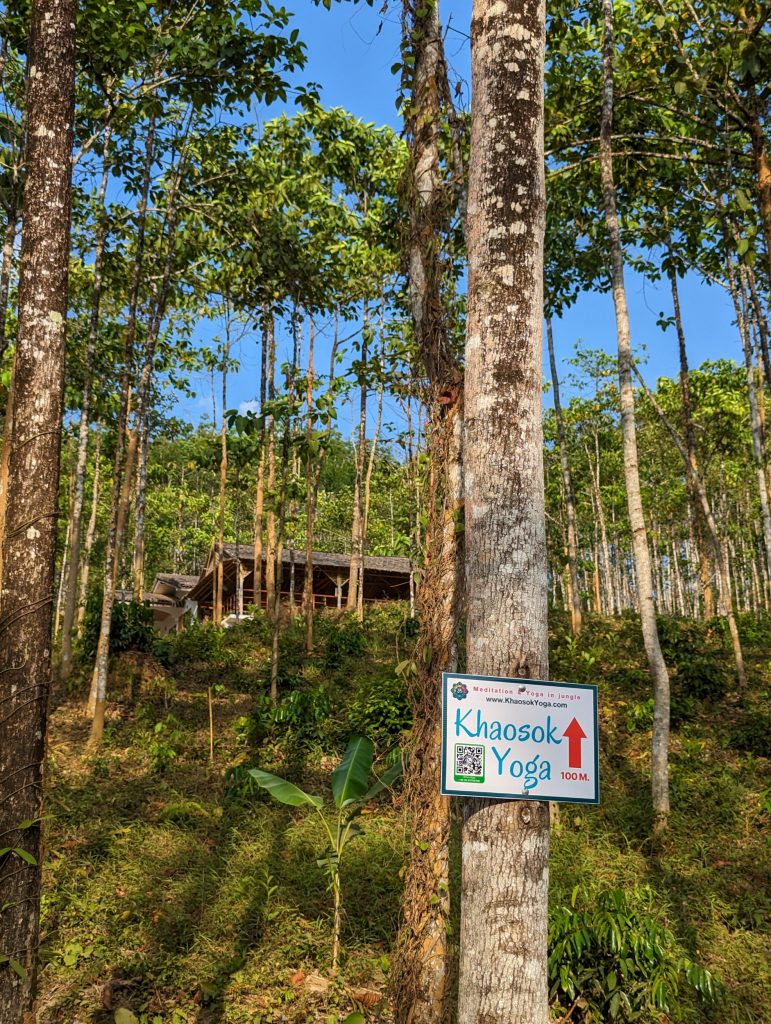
{"points": [[520, 739]]}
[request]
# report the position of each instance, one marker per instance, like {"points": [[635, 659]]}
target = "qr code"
{"points": [[469, 763]]}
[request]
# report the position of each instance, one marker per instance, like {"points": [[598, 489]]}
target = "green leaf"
{"points": [[285, 792], [349, 779], [385, 780], [355, 1018], [25, 855], [17, 968]]}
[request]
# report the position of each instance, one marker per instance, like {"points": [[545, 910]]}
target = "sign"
{"points": [[520, 739]]}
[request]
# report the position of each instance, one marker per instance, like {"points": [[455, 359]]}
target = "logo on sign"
{"points": [[459, 690]]}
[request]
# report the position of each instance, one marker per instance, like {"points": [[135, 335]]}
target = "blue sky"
{"points": [[351, 49]]}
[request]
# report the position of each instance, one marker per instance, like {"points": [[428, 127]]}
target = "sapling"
{"points": [[351, 791]]}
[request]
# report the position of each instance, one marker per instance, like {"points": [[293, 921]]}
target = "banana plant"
{"points": [[351, 791]]}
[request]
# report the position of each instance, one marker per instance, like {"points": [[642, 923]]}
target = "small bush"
{"points": [[752, 733], [345, 639], [200, 642], [381, 709], [611, 960], [131, 628]]}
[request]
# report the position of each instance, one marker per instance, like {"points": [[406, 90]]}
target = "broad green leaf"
{"points": [[285, 792], [349, 779], [124, 1016], [355, 1018]]}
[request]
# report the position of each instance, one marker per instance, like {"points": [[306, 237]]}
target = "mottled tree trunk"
{"points": [[567, 482], [503, 975], [642, 563], [29, 542], [422, 978], [76, 512]]}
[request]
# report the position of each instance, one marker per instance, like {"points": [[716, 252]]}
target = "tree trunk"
{"points": [[310, 502], [762, 170], [658, 669], [259, 499], [718, 545], [271, 549], [367, 495], [9, 241], [503, 975], [690, 440], [76, 513], [357, 539], [29, 541], [755, 422], [98, 696], [422, 978], [567, 480], [220, 547], [140, 509], [90, 530], [144, 390]]}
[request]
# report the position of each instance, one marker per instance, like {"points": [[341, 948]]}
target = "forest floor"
{"points": [[173, 890]]}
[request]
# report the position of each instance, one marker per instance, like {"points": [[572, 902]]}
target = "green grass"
{"points": [[168, 894]]}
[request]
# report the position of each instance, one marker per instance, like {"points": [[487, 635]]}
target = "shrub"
{"points": [[200, 642], [131, 628], [610, 959], [345, 639], [381, 709]]}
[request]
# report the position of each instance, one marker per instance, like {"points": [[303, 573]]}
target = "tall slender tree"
{"points": [[423, 972], [505, 844], [642, 561]]}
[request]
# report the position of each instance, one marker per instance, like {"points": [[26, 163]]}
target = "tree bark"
{"points": [[718, 544], [656, 664], [271, 549], [259, 498], [423, 972], [762, 170], [567, 481], [503, 975], [76, 513], [357, 539], [689, 434], [220, 546], [90, 530], [29, 541], [9, 241], [144, 390], [755, 422], [97, 701]]}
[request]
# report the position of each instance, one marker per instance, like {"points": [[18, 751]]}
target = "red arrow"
{"points": [[575, 734]]}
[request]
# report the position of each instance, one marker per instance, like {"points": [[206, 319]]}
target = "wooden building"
{"points": [[385, 579]]}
